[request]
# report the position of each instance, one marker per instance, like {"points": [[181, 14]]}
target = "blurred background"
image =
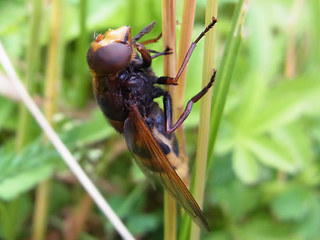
{"points": [[264, 176]]}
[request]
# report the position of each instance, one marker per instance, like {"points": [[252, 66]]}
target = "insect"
{"points": [[124, 87]]}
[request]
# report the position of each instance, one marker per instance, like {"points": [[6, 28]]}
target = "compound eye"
{"points": [[110, 58]]}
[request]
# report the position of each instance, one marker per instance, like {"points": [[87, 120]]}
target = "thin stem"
{"points": [[225, 72], [205, 107], [169, 39], [25, 131], [81, 73], [53, 66]]}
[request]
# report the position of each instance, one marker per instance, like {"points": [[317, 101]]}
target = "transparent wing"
{"points": [[155, 164]]}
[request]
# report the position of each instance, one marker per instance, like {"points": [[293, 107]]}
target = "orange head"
{"points": [[111, 52]]}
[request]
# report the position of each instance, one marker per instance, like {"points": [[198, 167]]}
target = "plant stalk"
{"points": [[81, 72], [25, 130], [169, 63], [205, 108], [224, 74], [53, 68]]}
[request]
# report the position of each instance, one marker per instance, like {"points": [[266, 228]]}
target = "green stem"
{"points": [[224, 74], [26, 132], [205, 108], [81, 71], [53, 72]]}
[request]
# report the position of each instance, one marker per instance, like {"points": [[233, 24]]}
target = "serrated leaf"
{"points": [[19, 173], [271, 154], [245, 166], [22, 182], [293, 204], [297, 142], [287, 102]]}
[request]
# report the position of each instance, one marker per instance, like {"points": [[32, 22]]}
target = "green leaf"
{"points": [[297, 142], [271, 154], [288, 101], [236, 199], [13, 216], [94, 130], [309, 227], [262, 227], [293, 204], [7, 110], [245, 166], [142, 223], [19, 173]]}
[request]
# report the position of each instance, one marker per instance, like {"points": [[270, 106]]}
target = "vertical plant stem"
{"points": [[25, 130], [205, 108], [81, 72], [225, 72], [177, 92], [53, 68], [169, 39]]}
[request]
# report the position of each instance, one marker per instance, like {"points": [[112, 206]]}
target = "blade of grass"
{"points": [[61, 148], [224, 74], [25, 130], [169, 63], [53, 70], [81, 72], [205, 108]]}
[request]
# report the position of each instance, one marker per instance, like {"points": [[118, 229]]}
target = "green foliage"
{"points": [[18, 171], [264, 175]]}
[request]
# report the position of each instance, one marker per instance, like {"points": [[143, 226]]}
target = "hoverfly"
{"points": [[123, 84]]}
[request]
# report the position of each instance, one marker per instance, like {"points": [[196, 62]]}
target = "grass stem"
{"points": [[225, 72], [169, 39], [53, 68], [25, 128], [205, 108]]}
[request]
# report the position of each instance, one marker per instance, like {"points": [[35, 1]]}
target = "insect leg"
{"points": [[144, 31], [187, 110], [146, 57], [167, 105], [152, 40], [166, 81], [167, 51], [192, 47]]}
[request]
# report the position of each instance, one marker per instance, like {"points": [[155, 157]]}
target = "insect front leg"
{"points": [[154, 40], [146, 57], [167, 105], [144, 31], [167, 51], [145, 54], [191, 48]]}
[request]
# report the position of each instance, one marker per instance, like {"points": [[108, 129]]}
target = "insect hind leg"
{"points": [[192, 47], [190, 103]]}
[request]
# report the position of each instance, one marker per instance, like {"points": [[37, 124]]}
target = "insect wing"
{"points": [[155, 164]]}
